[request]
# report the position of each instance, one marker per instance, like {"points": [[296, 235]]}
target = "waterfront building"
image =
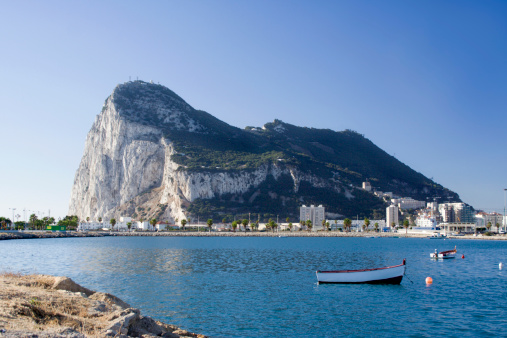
{"points": [[357, 225], [91, 225], [426, 221], [105, 225], [456, 213], [458, 227], [392, 215], [315, 214], [143, 225], [483, 218], [367, 186]]}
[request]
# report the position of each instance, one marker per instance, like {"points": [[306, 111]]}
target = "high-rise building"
{"points": [[392, 215], [456, 213], [314, 214]]}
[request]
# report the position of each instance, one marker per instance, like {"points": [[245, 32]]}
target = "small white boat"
{"points": [[444, 254], [387, 275], [437, 235]]}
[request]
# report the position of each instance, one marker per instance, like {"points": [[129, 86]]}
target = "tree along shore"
{"points": [[5, 235]]}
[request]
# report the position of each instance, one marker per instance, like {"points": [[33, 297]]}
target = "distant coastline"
{"points": [[6, 235]]}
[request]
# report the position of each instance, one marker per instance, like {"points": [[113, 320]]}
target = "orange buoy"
{"points": [[429, 280]]}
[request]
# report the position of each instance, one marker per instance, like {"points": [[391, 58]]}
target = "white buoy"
{"points": [[500, 266]]}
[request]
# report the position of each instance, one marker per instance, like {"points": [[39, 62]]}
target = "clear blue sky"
{"points": [[426, 80]]}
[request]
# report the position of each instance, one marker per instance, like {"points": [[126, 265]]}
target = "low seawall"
{"points": [[5, 235]]}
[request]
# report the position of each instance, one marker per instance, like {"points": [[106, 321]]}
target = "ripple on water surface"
{"points": [[264, 287]]}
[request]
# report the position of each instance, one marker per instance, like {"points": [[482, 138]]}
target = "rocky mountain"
{"points": [[150, 154]]}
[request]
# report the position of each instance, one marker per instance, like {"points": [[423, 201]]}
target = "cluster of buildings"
{"points": [[449, 218], [429, 217], [125, 224]]}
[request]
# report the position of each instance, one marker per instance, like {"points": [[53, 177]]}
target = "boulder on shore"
{"points": [[47, 306]]}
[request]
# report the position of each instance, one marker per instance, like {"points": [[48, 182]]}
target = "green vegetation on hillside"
{"points": [[345, 159]]}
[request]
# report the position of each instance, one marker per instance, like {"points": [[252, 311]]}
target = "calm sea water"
{"points": [[266, 287]]}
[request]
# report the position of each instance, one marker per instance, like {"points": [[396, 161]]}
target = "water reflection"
{"points": [[267, 286]]}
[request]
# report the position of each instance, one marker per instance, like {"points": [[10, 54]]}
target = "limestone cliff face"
{"points": [[121, 160], [127, 167]]}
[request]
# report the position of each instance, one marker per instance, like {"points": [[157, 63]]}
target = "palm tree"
{"points": [[88, 219], [405, 225], [33, 220], [366, 222], [497, 228], [257, 225], [100, 219], [309, 225], [210, 223], [488, 225], [376, 226], [347, 223], [323, 224], [112, 221], [129, 225], [392, 226], [327, 226], [234, 225], [273, 225], [245, 223], [183, 223], [290, 225], [153, 222]]}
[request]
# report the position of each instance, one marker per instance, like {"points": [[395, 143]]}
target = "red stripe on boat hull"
{"points": [[393, 280]]}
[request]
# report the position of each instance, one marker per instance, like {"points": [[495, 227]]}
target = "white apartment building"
{"points": [[482, 219], [426, 221], [357, 225], [86, 226], [367, 186], [407, 203], [456, 213], [392, 215], [433, 206], [143, 225], [314, 214]]}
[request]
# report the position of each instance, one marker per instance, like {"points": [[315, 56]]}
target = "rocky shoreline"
{"points": [[48, 306], [66, 234]]}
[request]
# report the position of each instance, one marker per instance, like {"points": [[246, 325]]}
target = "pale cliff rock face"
{"points": [[119, 162], [127, 165]]}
